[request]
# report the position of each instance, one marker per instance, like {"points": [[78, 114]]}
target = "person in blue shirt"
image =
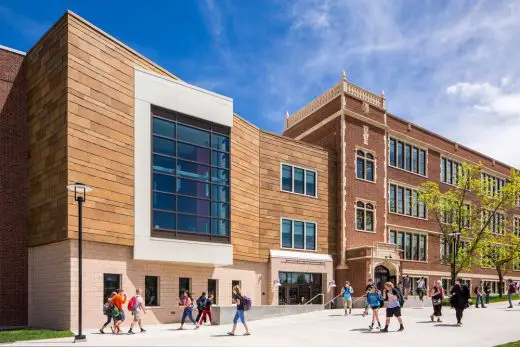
{"points": [[347, 292], [374, 299]]}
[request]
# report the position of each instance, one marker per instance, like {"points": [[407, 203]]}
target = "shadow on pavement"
{"points": [[446, 325], [425, 321]]}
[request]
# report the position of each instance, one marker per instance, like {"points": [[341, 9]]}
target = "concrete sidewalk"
{"points": [[482, 327]]}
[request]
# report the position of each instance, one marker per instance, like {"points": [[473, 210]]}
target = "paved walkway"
{"points": [[482, 327]]}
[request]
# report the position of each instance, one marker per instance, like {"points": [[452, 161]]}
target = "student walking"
{"points": [[347, 292], [107, 311], [480, 297], [206, 312], [459, 299], [187, 302], [367, 290], [374, 299], [437, 293], [240, 301], [421, 288], [511, 289], [487, 292], [201, 302], [406, 286], [136, 306], [118, 312], [393, 308]]}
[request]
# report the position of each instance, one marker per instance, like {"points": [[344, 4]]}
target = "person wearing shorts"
{"points": [[393, 308], [374, 299], [347, 292], [138, 309], [367, 290]]}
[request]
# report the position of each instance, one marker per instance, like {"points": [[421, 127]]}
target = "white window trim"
{"points": [[413, 144], [411, 231], [373, 160], [304, 180], [304, 234], [373, 203]]}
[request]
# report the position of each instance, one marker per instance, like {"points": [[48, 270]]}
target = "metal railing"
{"points": [[314, 297]]}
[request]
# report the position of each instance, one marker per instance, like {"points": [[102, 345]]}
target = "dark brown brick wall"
{"points": [[13, 190]]}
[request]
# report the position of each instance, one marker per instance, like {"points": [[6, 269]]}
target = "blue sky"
{"points": [[450, 66]]}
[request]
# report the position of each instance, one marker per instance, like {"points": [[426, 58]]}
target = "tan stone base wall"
{"points": [[53, 283]]}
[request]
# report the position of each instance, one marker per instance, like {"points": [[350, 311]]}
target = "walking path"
{"points": [[482, 327]]}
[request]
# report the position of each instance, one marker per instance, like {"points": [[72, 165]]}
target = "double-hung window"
{"points": [[298, 180], [364, 216], [298, 234], [365, 165], [407, 156], [404, 200], [411, 245]]}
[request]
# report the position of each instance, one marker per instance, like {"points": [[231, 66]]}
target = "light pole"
{"points": [[80, 195], [456, 240]]}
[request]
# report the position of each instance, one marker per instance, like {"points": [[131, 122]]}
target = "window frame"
{"points": [[415, 154], [419, 206], [365, 210], [179, 285], [305, 170], [215, 294], [158, 295], [119, 280], [305, 222], [365, 159], [404, 232]]}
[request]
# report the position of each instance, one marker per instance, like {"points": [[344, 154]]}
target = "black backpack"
{"points": [[400, 297], [201, 303]]}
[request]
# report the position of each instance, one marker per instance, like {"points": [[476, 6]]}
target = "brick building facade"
{"points": [[189, 195]]}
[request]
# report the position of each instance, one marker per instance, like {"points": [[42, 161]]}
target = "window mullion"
{"points": [[304, 235]]}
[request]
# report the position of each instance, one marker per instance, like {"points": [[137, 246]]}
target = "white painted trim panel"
{"points": [[275, 253]]}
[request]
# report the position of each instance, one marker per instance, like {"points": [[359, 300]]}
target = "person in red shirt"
{"points": [[118, 301]]}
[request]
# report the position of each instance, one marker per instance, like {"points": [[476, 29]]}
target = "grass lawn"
{"points": [[32, 334], [516, 298], [510, 344]]}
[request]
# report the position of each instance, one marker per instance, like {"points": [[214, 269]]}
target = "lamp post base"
{"points": [[80, 338]]}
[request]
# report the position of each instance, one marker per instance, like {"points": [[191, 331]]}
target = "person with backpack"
{"points": [[437, 293], [367, 290], [107, 311], [118, 313], [511, 289], [243, 303], [201, 303], [206, 312], [187, 303], [487, 292], [459, 299], [347, 292], [374, 300], [136, 305], [480, 297], [395, 300]]}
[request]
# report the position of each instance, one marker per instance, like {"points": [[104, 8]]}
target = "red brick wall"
{"points": [[13, 191]]}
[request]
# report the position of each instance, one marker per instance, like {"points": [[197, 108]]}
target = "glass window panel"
{"points": [[163, 127], [220, 209], [408, 202], [310, 236], [220, 142], [193, 224], [193, 206], [192, 188], [192, 135], [400, 199], [212, 289], [415, 247], [392, 201], [422, 210], [415, 160], [163, 183], [408, 157], [151, 291], [360, 168], [422, 248], [163, 201], [287, 178], [422, 162], [219, 227], [193, 170], [310, 183], [219, 193], [443, 170], [220, 176], [298, 235], [360, 219], [400, 154], [298, 180], [163, 164], [220, 159], [408, 246], [393, 237], [370, 221], [163, 220], [184, 284], [400, 241], [286, 233], [163, 146], [370, 170], [415, 212], [448, 171], [194, 153], [111, 282], [392, 152]]}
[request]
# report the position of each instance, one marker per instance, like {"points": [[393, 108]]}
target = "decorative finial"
{"points": [[343, 75], [382, 93], [286, 114]]}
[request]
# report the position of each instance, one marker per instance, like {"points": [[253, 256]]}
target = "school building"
{"points": [[189, 195]]}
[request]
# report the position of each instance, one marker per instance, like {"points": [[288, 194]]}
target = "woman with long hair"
{"points": [[238, 298], [437, 293], [187, 302]]}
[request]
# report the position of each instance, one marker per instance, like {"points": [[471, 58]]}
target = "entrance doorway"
{"points": [[381, 276], [297, 288]]}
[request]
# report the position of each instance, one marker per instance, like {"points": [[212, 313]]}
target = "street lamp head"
{"points": [[80, 190], [454, 234]]}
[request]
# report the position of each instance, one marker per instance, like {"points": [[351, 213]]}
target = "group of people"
{"points": [[115, 312]]}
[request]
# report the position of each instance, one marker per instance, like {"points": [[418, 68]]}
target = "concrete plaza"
{"points": [[482, 327]]}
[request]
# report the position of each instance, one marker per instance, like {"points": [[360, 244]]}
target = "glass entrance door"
{"points": [[298, 288]]}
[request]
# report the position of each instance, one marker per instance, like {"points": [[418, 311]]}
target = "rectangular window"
{"points": [[184, 284], [212, 289], [298, 234], [392, 200], [298, 180], [111, 283], [190, 176], [496, 221], [411, 245], [407, 201], [151, 291], [400, 200], [443, 169], [415, 203], [408, 157], [516, 226], [235, 283], [492, 185]]}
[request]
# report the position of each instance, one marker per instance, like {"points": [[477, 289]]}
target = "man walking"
{"points": [[393, 309], [511, 289], [480, 295], [459, 299], [137, 307], [421, 288]]}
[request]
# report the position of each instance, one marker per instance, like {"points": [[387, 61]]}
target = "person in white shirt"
{"points": [[421, 288], [138, 308]]}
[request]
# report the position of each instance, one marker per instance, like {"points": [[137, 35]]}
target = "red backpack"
{"points": [[132, 303]]}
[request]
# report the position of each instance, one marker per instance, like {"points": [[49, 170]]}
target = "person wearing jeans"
{"points": [[511, 289], [239, 301], [487, 292], [480, 297], [187, 303]]}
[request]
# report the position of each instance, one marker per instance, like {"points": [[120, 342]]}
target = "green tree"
{"points": [[471, 213]]}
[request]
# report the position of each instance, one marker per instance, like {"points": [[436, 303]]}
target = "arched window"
{"points": [[365, 165], [364, 216]]}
